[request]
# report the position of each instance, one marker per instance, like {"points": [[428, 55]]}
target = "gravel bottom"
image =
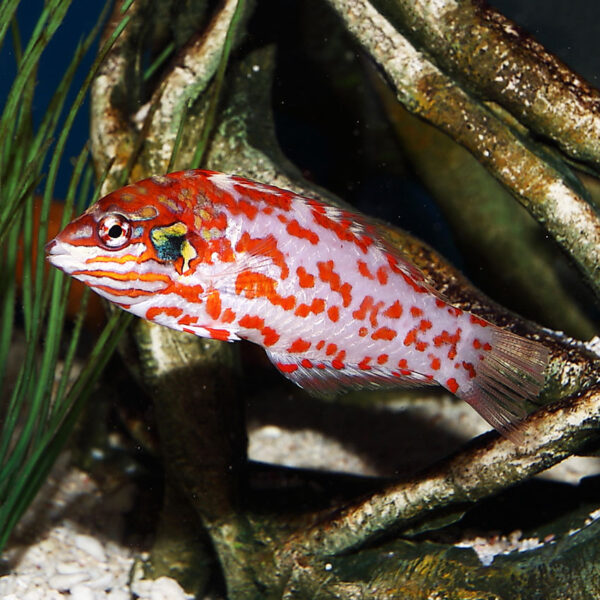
{"points": [[68, 546], [70, 543]]}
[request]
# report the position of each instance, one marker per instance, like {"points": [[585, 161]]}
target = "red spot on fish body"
{"points": [[187, 320], [265, 246], [341, 355], [217, 334], [251, 322], [328, 275], [295, 229], [382, 359], [317, 306], [374, 312], [363, 269], [345, 290], [303, 310], [416, 312], [364, 242], [306, 280], [215, 221], [317, 207], [256, 285], [383, 333], [213, 304], [469, 368], [270, 336], [452, 385], [410, 338], [365, 305], [261, 193], [364, 363], [425, 325], [155, 311], [333, 312], [336, 363], [307, 364], [244, 207], [287, 368], [321, 218], [382, 275], [446, 338], [394, 311], [228, 316], [299, 345], [477, 321]]}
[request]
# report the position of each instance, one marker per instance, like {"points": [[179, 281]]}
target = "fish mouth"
{"points": [[59, 255], [49, 247]]}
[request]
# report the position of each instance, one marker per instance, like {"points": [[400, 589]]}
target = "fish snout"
{"points": [[50, 247], [59, 255]]}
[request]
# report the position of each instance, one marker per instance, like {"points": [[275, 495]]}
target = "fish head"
{"points": [[134, 243]]}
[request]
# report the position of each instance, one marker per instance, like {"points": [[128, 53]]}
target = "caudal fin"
{"points": [[510, 374]]}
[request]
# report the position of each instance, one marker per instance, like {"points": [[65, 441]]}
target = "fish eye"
{"points": [[114, 231]]}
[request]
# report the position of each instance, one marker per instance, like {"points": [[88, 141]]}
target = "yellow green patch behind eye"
{"points": [[170, 243], [161, 234]]}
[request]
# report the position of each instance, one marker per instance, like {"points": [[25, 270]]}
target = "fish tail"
{"points": [[510, 375]]}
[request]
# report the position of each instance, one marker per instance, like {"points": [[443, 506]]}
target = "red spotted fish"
{"points": [[334, 305]]}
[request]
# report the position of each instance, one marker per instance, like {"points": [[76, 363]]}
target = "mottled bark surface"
{"points": [[365, 547], [549, 191]]}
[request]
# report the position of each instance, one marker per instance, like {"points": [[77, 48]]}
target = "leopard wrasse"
{"points": [[334, 305]]}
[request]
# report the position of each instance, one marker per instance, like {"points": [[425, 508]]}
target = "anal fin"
{"points": [[322, 378]]}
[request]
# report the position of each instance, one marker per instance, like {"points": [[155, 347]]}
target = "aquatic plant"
{"points": [[44, 394]]}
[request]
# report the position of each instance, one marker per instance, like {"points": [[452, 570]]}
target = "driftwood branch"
{"points": [[549, 191], [486, 466], [117, 119], [111, 132], [495, 59], [189, 76]]}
